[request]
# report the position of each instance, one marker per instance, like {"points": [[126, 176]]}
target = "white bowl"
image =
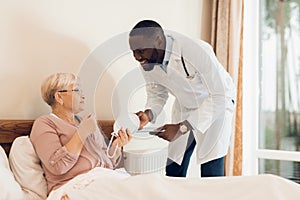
{"points": [[145, 156]]}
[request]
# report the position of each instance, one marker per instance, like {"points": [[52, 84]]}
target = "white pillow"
{"points": [[26, 166], [9, 187]]}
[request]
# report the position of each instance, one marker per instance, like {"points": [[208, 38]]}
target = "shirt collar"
{"points": [[168, 52]]}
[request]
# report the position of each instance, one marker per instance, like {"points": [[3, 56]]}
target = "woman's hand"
{"points": [[123, 138], [87, 126]]}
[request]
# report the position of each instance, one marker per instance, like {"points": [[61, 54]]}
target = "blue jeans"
{"points": [[211, 168]]}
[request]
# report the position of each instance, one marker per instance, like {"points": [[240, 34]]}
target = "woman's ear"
{"points": [[58, 98]]}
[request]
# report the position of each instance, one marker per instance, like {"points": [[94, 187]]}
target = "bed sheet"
{"points": [[102, 183]]}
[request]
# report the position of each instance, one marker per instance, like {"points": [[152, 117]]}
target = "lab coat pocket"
{"points": [[198, 93]]}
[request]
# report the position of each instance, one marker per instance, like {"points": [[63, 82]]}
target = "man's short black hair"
{"points": [[146, 27], [146, 24]]}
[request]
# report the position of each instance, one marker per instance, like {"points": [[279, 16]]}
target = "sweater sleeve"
{"points": [[48, 146]]}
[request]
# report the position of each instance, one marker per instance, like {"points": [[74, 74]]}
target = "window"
{"points": [[272, 75]]}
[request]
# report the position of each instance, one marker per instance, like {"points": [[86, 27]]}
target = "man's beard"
{"points": [[149, 66], [152, 61]]}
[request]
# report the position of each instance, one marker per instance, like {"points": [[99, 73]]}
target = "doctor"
{"points": [[203, 110]]}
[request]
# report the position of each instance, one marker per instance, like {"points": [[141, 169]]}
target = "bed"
{"points": [[11, 129], [22, 178]]}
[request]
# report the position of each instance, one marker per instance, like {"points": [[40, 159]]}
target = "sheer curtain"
{"points": [[226, 38]]}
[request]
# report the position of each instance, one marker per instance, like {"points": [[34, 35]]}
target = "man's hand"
{"points": [[145, 117], [171, 132]]}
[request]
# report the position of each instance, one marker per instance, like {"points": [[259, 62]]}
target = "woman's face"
{"points": [[73, 98]]}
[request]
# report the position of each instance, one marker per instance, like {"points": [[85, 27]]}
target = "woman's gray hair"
{"points": [[54, 83]]}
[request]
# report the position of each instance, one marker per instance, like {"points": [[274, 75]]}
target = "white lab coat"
{"points": [[204, 99]]}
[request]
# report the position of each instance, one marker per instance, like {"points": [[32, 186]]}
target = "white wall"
{"points": [[38, 38]]}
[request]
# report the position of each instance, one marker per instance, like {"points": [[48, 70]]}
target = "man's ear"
{"points": [[160, 40], [58, 98]]}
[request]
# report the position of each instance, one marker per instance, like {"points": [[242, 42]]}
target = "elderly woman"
{"points": [[66, 144]]}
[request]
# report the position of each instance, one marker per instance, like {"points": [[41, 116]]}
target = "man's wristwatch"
{"points": [[183, 129]]}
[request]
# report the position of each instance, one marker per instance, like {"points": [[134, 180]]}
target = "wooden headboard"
{"points": [[10, 129]]}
